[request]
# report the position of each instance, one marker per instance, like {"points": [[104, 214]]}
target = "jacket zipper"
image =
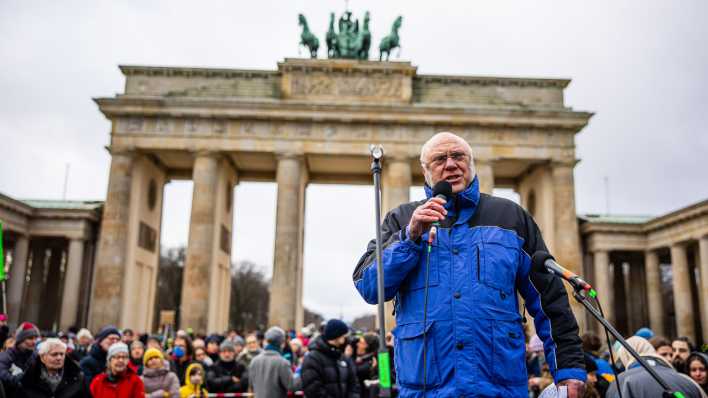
{"points": [[479, 265]]}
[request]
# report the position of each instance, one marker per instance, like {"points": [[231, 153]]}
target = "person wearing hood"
{"points": [[698, 369], [326, 372], [269, 373], [227, 374], [194, 383], [636, 382], [158, 380], [95, 362], [16, 359], [52, 375], [119, 380], [253, 348]]}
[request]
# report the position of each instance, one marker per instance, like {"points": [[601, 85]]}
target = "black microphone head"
{"points": [[442, 188], [538, 260]]}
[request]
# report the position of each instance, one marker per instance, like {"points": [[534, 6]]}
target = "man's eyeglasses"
{"points": [[441, 159]]}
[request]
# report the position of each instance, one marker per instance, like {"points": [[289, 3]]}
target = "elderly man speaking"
{"points": [[471, 341]]}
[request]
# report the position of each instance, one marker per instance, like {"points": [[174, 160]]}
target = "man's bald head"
{"points": [[446, 156]]}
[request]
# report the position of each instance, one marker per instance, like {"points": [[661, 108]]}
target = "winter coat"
{"points": [[71, 386], [328, 373], [189, 389], [636, 382], [245, 357], [13, 363], [365, 370], [127, 385], [474, 338], [270, 376], [180, 369], [220, 377], [159, 381], [93, 364]]}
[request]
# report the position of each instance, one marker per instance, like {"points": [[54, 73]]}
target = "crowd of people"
{"points": [[329, 361], [677, 361]]}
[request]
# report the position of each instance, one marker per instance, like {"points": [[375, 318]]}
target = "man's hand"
{"points": [[576, 388], [424, 215]]}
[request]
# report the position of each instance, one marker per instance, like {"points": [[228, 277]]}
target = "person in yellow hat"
{"points": [[159, 381], [193, 382]]}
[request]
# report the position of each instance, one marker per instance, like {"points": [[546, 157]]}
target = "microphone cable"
{"points": [[431, 237]]}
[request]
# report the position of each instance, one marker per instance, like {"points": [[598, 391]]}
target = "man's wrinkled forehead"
{"points": [[443, 143]]}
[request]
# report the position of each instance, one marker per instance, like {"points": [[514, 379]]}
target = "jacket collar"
{"points": [[463, 204]]}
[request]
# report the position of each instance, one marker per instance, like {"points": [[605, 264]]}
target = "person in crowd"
{"points": [[137, 349], [51, 375], [212, 346], [181, 357], [158, 380], [95, 362], [83, 344], [239, 343], [480, 279], [10, 342], [253, 349], [194, 383], [128, 336], [698, 369], [201, 356], [119, 380], [635, 381], [367, 348], [326, 372], [227, 374], [4, 329], [298, 351], [199, 343], [682, 348], [534, 356], [663, 347], [592, 344], [154, 341], [16, 359], [269, 373]]}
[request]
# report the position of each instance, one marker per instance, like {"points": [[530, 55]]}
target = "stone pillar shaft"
{"points": [[17, 275], [703, 288], [485, 173], [72, 282], [567, 241], [284, 300], [396, 187], [682, 292], [113, 246], [33, 296], [196, 282], [603, 283], [654, 294]]}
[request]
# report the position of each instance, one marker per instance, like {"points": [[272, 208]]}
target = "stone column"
{"points": [[17, 276], [567, 241], [682, 291], [194, 309], [485, 173], [113, 246], [50, 303], [35, 290], [603, 283], [396, 187], [654, 294], [72, 282], [284, 303], [703, 254]]}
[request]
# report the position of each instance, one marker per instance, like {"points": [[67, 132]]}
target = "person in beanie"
{"points": [[227, 375], [326, 371], [52, 375], [269, 373], [159, 381], [15, 360], [95, 362], [194, 383], [119, 380]]}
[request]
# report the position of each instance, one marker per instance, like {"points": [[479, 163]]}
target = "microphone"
{"points": [[442, 190], [545, 263]]}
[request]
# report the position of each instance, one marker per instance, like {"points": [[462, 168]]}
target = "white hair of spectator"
{"points": [[47, 345], [84, 333]]}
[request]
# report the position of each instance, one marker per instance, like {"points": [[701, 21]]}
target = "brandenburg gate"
{"points": [[309, 121]]}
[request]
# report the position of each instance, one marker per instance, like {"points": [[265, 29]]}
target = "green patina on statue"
{"points": [[349, 41]]}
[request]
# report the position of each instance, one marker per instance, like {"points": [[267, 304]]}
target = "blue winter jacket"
{"points": [[473, 337]]}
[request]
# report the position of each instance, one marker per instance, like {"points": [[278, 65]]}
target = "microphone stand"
{"points": [[383, 357], [582, 298]]}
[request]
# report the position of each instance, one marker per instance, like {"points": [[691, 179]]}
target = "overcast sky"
{"points": [[640, 66]]}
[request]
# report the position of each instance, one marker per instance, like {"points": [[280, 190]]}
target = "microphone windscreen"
{"points": [[442, 188], [538, 261]]}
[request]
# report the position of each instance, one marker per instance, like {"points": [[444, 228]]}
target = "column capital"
{"points": [[558, 163], [127, 151], [205, 152], [299, 156]]}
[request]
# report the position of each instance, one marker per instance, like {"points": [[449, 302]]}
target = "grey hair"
{"points": [[433, 140], [47, 345]]}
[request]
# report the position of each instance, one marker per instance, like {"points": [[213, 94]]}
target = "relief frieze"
{"points": [[347, 86]]}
